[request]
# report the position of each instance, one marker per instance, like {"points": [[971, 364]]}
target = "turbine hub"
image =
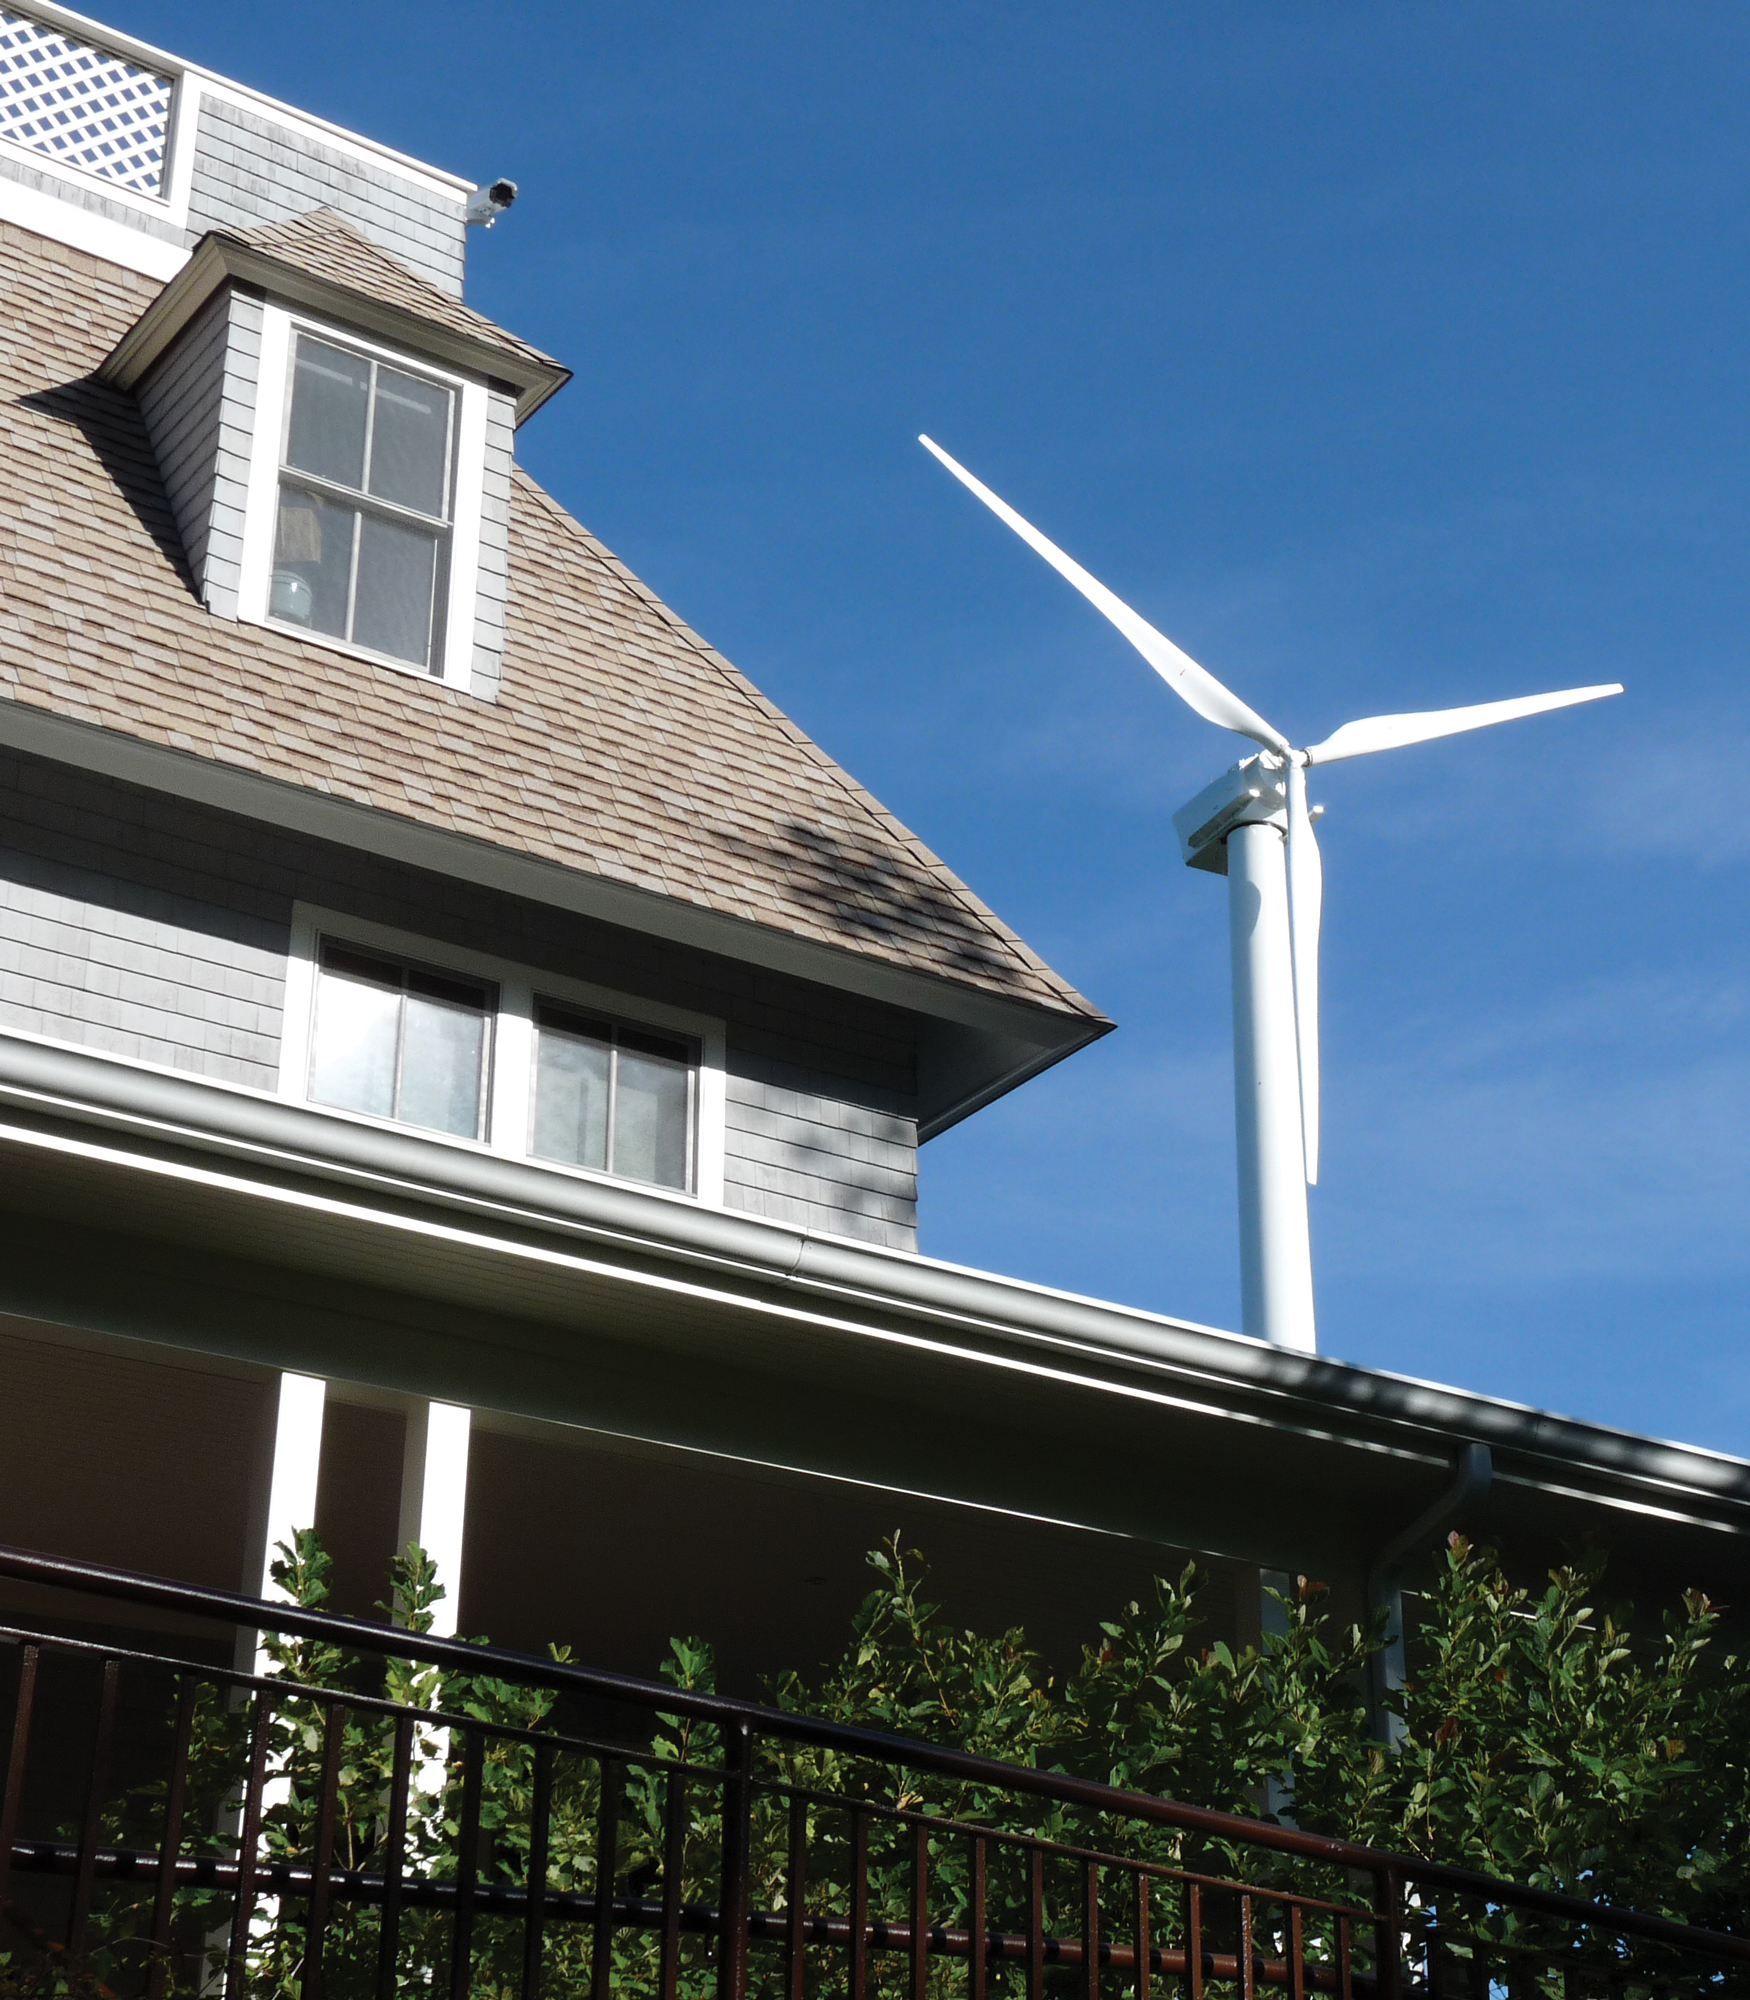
{"points": [[1253, 793]]}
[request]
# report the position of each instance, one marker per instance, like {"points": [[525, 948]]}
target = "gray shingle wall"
{"points": [[137, 924], [199, 406], [494, 584], [248, 170], [118, 930]]}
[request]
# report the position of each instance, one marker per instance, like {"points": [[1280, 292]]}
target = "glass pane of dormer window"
{"points": [[312, 562], [399, 1041], [410, 441], [612, 1097], [358, 551], [397, 572], [331, 404]]}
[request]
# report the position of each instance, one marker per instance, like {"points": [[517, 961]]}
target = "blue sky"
{"points": [[1386, 357]]}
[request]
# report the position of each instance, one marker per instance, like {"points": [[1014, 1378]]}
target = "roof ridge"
{"points": [[857, 793]]}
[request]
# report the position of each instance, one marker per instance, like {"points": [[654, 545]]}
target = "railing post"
{"points": [[1193, 1936], [27, 1666], [607, 1860], [534, 1920], [85, 1869], [737, 1832], [1091, 1930], [796, 1901], [322, 1860], [1139, 1927], [1248, 1966], [674, 1862], [978, 1922], [859, 1939], [394, 1847], [169, 1841], [1035, 1923], [248, 1850], [1388, 1933], [467, 1864], [920, 1911]]}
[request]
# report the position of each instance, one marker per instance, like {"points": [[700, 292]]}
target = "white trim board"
{"points": [[62, 219]]}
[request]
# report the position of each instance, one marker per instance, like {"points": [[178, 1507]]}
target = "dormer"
{"points": [[335, 438]]}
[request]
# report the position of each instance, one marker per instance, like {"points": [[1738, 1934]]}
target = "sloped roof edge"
{"points": [[221, 257], [985, 1043]]}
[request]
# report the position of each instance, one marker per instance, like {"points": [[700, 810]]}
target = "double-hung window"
{"points": [[362, 531], [612, 1097], [484, 1050], [403, 1041]]}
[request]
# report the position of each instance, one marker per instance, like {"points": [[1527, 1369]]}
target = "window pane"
{"points": [[571, 1091], [444, 1043], [409, 440], [650, 1114], [358, 1011], [392, 605], [312, 562], [330, 393]]}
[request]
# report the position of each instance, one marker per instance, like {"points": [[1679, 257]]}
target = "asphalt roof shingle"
{"points": [[621, 744], [328, 246]]}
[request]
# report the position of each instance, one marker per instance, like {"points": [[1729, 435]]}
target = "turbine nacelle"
{"points": [[1253, 793]]}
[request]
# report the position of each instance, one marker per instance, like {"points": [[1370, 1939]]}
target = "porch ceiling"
{"points": [[164, 1208]]}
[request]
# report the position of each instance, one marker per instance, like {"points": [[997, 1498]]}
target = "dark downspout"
{"points": [[1472, 1475]]}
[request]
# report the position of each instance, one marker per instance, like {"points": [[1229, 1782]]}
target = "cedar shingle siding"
{"points": [[248, 170], [152, 928]]}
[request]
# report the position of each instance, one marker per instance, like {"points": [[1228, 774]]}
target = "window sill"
{"points": [[348, 650], [491, 1150]]}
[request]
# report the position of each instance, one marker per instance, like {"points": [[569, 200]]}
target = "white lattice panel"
{"points": [[82, 106]]}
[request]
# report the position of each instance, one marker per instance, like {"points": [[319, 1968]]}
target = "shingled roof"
{"points": [[621, 744], [327, 246]]}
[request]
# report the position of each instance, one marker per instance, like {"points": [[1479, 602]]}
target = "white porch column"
{"points": [[291, 1490], [434, 1498]]}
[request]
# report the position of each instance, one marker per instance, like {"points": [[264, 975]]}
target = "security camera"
{"points": [[488, 203]]}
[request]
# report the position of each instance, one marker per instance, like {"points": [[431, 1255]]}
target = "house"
{"points": [[463, 1052]]}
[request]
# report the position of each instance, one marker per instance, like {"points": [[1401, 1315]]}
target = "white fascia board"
{"points": [[63, 220], [272, 802]]}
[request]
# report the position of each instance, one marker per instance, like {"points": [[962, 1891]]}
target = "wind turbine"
{"points": [[1254, 826]]}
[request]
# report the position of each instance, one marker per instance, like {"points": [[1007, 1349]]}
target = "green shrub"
{"points": [[1542, 1742]]}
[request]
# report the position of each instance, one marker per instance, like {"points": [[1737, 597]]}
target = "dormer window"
{"points": [[361, 539], [335, 436]]}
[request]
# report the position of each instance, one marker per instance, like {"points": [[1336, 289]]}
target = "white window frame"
{"points": [[453, 627], [511, 1066]]}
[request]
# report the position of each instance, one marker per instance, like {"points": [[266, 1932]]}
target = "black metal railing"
{"points": [[172, 1824]]}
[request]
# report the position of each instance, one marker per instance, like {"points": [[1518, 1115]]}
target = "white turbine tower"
{"points": [[1254, 826]]}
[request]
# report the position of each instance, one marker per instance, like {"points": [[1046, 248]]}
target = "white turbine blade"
{"points": [[1306, 896], [1393, 732], [1192, 683]]}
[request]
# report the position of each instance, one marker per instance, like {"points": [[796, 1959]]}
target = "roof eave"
{"points": [[976, 1044], [220, 259]]}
